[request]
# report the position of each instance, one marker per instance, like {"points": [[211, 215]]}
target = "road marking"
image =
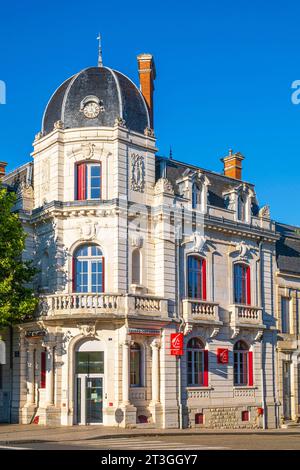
{"points": [[131, 443]]}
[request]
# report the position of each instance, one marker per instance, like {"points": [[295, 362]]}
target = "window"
{"points": [[1, 376], [243, 364], [242, 284], [136, 267], [245, 416], [88, 181], [285, 315], [196, 278], [43, 370], [241, 207], [135, 365], [197, 363], [88, 269], [89, 362], [199, 418], [196, 196]]}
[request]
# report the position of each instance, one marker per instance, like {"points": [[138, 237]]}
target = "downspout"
{"points": [[261, 302], [181, 327], [11, 365]]}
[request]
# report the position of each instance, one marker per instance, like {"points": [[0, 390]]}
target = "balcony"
{"points": [[200, 311], [103, 304], [246, 316]]}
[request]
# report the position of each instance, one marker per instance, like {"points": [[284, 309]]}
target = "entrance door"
{"points": [[89, 399], [286, 385], [94, 400], [89, 374]]}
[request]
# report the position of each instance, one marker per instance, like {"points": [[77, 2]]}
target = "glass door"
{"points": [[286, 390], [94, 400]]}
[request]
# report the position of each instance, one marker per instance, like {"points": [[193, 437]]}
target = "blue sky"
{"points": [[224, 75]]}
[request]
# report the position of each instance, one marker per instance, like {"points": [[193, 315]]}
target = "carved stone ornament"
{"points": [[45, 175], [137, 173], [38, 136], [259, 335], [199, 242], [149, 132], [235, 332], [264, 212], [88, 150], [58, 125], [87, 330], [163, 185], [243, 250], [88, 230], [120, 122]]}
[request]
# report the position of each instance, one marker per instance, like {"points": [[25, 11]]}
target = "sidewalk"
{"points": [[19, 433]]}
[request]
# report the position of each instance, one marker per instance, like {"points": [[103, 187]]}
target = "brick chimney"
{"points": [[233, 165], [147, 76], [3, 165]]}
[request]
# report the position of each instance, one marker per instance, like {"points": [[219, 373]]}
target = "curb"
{"points": [[134, 435]]}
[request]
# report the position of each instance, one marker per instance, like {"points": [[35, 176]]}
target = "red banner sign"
{"points": [[177, 344], [222, 356]]}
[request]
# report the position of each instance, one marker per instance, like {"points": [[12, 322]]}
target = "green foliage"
{"points": [[17, 301]]}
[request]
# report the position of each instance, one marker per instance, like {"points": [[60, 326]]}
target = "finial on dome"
{"points": [[100, 63]]}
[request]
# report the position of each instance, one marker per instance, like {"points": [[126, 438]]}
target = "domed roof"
{"points": [[96, 97]]}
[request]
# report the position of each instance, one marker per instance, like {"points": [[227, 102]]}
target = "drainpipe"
{"points": [[181, 327], [261, 301]]}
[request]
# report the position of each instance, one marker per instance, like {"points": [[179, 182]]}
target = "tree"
{"points": [[17, 301]]}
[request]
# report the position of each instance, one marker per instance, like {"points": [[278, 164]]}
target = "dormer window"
{"points": [[196, 196], [242, 201]]}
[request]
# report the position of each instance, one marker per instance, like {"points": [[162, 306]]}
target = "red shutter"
{"points": [[248, 285], [205, 376], [74, 274], [43, 370], [81, 181], [250, 368], [204, 279]]}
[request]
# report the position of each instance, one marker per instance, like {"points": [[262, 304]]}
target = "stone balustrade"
{"points": [[118, 304], [200, 310], [246, 314]]}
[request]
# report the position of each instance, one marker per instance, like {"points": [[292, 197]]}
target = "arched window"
{"points": [[136, 266], [135, 365], [242, 284], [88, 181], [243, 364], [242, 200], [88, 269], [196, 278], [196, 196], [197, 363]]}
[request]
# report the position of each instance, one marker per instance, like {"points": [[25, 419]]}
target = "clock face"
{"points": [[91, 110]]}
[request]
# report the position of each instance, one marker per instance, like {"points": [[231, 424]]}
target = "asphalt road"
{"points": [[268, 441]]}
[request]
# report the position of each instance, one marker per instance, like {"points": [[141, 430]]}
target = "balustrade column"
{"points": [[50, 374], [125, 372], [155, 345], [31, 374]]}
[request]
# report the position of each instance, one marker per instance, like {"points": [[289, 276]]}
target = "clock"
{"points": [[91, 110]]}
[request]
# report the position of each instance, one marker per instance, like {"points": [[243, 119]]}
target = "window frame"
{"points": [[83, 180], [90, 261], [245, 287], [199, 271], [135, 352], [287, 316], [242, 365], [195, 357]]}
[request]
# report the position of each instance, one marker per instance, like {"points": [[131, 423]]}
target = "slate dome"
{"points": [[115, 95]]}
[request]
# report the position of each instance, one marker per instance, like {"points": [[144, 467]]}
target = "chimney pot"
{"points": [[233, 165], [3, 165], [147, 75]]}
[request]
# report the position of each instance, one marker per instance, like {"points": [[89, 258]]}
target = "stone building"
{"points": [[288, 310], [135, 250]]}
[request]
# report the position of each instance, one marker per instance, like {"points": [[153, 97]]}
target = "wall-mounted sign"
{"points": [[222, 356], [143, 331], [177, 344]]}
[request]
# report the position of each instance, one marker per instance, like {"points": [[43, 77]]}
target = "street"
{"points": [[227, 441]]}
